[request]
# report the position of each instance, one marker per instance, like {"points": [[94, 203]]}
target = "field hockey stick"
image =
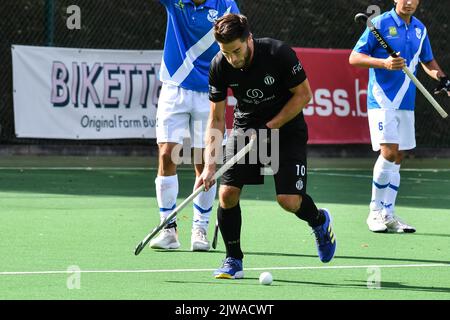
{"points": [[362, 18], [180, 207], [216, 233]]}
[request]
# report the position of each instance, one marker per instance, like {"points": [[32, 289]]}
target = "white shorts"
{"points": [[182, 114], [392, 126]]}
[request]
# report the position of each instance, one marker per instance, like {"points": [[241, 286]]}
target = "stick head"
{"points": [[216, 231], [361, 18], [138, 249]]}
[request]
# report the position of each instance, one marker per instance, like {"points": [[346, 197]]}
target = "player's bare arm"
{"points": [[213, 139], [433, 69], [362, 60], [302, 95]]}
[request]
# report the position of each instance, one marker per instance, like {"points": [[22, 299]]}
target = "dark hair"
{"points": [[231, 27]]}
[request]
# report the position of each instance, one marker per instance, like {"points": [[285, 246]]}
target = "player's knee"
{"points": [[390, 156], [400, 156], [389, 152], [198, 169], [229, 196], [289, 203], [165, 157]]}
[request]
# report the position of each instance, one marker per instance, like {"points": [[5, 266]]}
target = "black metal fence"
{"points": [[140, 24]]}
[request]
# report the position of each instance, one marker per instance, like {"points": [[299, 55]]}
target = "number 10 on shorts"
{"points": [[300, 169]]}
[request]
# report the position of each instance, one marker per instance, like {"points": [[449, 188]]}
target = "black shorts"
{"points": [[290, 174]]}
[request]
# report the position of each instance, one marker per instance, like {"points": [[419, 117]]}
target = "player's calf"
{"points": [[320, 221]]}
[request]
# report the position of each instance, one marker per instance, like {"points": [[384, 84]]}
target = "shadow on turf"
{"points": [[241, 282], [363, 285], [341, 257], [406, 234], [384, 285], [296, 255], [431, 234], [186, 251], [399, 286]]}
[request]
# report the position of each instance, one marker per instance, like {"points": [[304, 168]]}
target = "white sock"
{"points": [[382, 172], [391, 192], [166, 195], [203, 205]]}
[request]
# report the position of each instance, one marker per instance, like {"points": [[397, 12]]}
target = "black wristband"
{"points": [[443, 80]]}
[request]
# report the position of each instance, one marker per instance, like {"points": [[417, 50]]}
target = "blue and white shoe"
{"points": [[231, 269], [325, 238]]}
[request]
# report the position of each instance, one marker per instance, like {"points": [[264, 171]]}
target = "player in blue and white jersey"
{"points": [[391, 99], [183, 107]]}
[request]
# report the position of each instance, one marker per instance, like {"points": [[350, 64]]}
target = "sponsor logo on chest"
{"points": [[255, 93], [393, 31]]}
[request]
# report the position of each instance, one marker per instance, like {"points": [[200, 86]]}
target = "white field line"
{"points": [[370, 177], [434, 170], [428, 197], [89, 168], [371, 168], [21, 273], [311, 171]]}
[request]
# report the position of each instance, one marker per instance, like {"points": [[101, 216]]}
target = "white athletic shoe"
{"points": [[199, 242], [395, 224], [166, 239], [376, 221]]}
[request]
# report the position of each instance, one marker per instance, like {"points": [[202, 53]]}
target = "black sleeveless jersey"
{"points": [[261, 89]]}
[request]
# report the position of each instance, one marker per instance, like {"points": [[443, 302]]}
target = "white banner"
{"points": [[66, 93]]}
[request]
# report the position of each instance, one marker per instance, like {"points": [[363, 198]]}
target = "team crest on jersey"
{"points": [[419, 33], [299, 184], [269, 80], [393, 31], [213, 15]]}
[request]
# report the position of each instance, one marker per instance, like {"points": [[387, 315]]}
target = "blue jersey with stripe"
{"points": [[394, 89], [190, 45]]}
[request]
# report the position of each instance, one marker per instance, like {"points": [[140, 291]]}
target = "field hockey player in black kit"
{"points": [[271, 88]]}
